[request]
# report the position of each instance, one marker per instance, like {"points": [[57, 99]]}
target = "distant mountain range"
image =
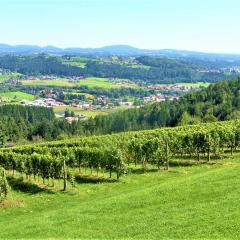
{"points": [[123, 50]]}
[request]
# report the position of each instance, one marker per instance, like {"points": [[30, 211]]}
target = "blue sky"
{"points": [[202, 25]]}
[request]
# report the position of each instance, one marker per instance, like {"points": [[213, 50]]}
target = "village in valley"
{"points": [[62, 98]]}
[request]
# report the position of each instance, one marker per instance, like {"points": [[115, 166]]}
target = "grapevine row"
{"points": [[113, 153]]}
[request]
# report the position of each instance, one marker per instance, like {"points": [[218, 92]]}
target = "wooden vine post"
{"points": [[64, 176], [167, 155], [209, 146]]}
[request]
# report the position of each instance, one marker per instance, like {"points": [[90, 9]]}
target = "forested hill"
{"points": [[146, 70], [220, 101], [21, 122], [30, 114]]}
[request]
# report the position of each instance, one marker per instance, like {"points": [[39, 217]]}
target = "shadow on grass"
{"points": [[173, 163], [93, 179], [203, 159], [140, 170], [26, 187], [189, 163], [228, 151]]}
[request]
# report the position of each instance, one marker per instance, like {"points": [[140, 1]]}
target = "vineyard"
{"points": [[116, 154]]}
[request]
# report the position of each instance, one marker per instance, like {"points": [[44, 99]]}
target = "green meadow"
{"points": [[186, 202], [77, 61], [197, 84], [61, 82], [18, 96], [4, 78], [88, 113], [94, 82], [91, 82]]}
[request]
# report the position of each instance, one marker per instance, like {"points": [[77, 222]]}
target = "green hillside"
{"points": [[200, 202], [147, 70], [192, 194], [17, 96]]}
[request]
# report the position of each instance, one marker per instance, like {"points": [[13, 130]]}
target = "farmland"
{"points": [[3, 78], [91, 82], [119, 120], [58, 82], [16, 96], [166, 182], [76, 61], [187, 202], [102, 83], [197, 84], [88, 113], [173, 201]]}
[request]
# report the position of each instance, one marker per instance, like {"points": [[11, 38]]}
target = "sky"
{"points": [[200, 25]]}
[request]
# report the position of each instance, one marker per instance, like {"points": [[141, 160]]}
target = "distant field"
{"points": [[139, 66], [87, 113], [59, 82], [94, 82], [3, 78], [77, 64], [197, 84], [91, 82], [77, 61], [17, 96], [87, 95]]}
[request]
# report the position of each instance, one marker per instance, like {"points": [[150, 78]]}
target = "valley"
{"points": [[87, 142], [119, 120]]}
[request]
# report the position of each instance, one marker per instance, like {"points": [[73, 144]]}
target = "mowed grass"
{"points": [[17, 96], [198, 202]]}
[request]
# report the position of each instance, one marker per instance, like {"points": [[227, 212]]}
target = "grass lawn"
{"points": [[198, 202], [17, 96]]}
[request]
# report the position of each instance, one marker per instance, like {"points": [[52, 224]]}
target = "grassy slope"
{"points": [[3, 78], [17, 95], [185, 203]]}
